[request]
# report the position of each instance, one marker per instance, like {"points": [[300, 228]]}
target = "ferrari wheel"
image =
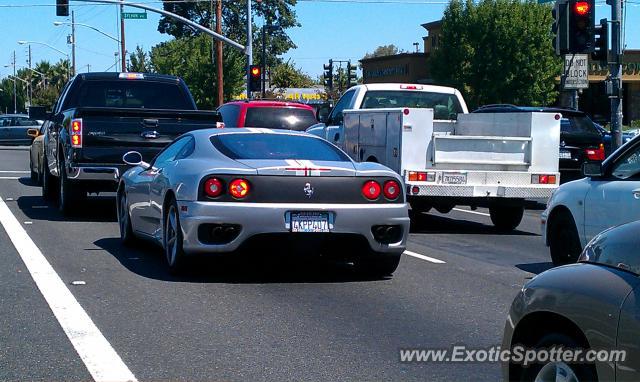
{"points": [[378, 264], [173, 239], [124, 220]]}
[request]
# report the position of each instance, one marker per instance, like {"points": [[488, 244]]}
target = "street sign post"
{"points": [[576, 71], [134, 15]]}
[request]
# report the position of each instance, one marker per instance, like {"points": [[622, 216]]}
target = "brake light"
{"points": [[76, 133], [131, 76], [543, 179], [411, 87], [371, 190], [416, 176], [213, 187], [239, 188], [595, 154], [391, 190]]}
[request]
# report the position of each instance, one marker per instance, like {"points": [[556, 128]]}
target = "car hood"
{"points": [[293, 167]]}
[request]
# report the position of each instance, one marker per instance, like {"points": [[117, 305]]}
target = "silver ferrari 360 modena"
{"points": [[218, 191]]}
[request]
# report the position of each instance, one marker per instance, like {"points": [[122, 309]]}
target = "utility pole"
{"points": [[123, 48], [30, 82], [249, 49], [263, 62], [15, 87], [220, 58], [615, 69], [73, 43]]}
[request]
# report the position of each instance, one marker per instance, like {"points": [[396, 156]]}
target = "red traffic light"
{"points": [[255, 71], [582, 7]]}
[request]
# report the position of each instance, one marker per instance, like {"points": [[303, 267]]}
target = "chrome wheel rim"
{"points": [[556, 372], [171, 236]]}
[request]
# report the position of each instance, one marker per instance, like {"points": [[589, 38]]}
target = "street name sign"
{"points": [[134, 15], [576, 71]]}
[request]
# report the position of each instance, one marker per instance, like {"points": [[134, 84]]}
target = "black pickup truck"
{"points": [[101, 116]]}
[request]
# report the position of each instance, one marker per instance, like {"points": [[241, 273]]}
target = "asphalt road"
{"points": [[253, 319]]}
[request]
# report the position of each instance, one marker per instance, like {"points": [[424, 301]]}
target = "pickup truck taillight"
{"points": [[595, 154], [76, 133]]}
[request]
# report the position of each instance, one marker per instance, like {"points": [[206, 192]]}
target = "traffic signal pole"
{"points": [[615, 70]]}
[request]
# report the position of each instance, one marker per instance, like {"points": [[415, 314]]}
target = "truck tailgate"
{"points": [[109, 133]]}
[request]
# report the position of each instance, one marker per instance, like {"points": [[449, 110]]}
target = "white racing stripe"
{"points": [[101, 360], [423, 257], [471, 212], [13, 172]]}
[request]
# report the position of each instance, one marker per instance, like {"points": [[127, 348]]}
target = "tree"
{"points": [[139, 61], [190, 58], [497, 51], [286, 75], [383, 50]]}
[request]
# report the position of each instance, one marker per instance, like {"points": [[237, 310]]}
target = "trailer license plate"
{"points": [[309, 222], [454, 178], [565, 154]]}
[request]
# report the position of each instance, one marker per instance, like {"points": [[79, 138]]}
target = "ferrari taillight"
{"points": [[391, 190], [239, 188], [213, 187], [371, 190], [76, 133]]}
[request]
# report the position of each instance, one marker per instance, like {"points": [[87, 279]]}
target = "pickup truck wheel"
{"points": [[506, 218], [564, 242], [67, 195], [376, 264], [124, 220], [172, 237], [48, 182]]}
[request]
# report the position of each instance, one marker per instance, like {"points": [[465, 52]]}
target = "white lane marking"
{"points": [[471, 212], [13, 172], [9, 177], [101, 360], [423, 257]]}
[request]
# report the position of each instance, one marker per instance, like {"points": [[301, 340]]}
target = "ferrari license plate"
{"points": [[454, 178], [565, 154], [309, 222]]}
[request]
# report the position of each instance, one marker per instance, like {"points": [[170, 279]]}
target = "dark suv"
{"points": [[580, 139]]}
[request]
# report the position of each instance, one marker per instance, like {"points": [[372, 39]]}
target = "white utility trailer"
{"points": [[479, 160]]}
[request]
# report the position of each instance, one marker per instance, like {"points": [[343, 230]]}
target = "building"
{"points": [[414, 68]]}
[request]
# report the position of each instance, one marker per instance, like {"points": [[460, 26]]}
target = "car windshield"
{"points": [[276, 146], [578, 124], [289, 118], [132, 94], [445, 106], [615, 248]]}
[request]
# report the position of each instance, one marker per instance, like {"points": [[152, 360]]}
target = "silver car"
{"points": [[13, 129], [217, 191], [591, 308]]}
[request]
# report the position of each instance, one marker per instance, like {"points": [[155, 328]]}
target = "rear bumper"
{"points": [[257, 219], [95, 173], [469, 191]]}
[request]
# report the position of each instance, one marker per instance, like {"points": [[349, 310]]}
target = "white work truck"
{"points": [[446, 156]]}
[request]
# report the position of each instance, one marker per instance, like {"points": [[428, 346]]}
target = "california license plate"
{"points": [[565, 154], [454, 178], [309, 222]]}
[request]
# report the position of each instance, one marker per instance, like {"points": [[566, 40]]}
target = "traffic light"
{"points": [[255, 81], [601, 42], [328, 75], [582, 17], [352, 78], [62, 7], [560, 27]]}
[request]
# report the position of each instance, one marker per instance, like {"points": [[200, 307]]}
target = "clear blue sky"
{"points": [[339, 30]]}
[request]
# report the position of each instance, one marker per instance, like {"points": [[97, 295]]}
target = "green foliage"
{"points": [[191, 59], [286, 75], [383, 50], [139, 61], [497, 51]]}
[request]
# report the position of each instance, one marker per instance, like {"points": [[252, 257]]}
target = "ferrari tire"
{"points": [[124, 220], [564, 242], [377, 264], [172, 239]]}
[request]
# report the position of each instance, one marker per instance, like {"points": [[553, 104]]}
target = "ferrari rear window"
{"points": [[276, 146]]}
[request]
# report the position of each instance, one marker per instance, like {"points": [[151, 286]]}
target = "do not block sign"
{"points": [[576, 71]]}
